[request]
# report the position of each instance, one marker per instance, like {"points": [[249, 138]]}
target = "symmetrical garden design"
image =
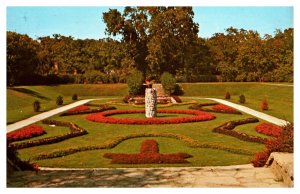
{"points": [[149, 153]]}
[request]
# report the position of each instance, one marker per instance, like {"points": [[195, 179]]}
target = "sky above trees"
{"points": [[87, 22]]}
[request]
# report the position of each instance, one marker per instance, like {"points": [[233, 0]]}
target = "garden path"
{"points": [[249, 111]]}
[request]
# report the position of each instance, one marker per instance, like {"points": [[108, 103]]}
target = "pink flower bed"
{"points": [[79, 109], [25, 133], [103, 117], [269, 129], [149, 155], [224, 108]]}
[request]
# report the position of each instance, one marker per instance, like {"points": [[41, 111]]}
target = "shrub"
{"points": [[74, 97], [59, 100], [283, 143], [177, 99], [168, 82], [242, 99], [264, 105], [178, 91], [36, 106], [227, 95], [135, 83]]}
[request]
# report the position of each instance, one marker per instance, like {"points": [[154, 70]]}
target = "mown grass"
{"points": [[20, 99], [99, 133]]}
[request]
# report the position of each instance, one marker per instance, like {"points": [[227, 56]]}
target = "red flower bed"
{"points": [[103, 117], [25, 133], [269, 129], [149, 155], [79, 109], [224, 108]]}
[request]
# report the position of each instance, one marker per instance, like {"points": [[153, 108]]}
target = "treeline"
{"points": [[154, 40]]}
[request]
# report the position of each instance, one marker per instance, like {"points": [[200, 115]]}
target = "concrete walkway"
{"points": [[223, 176], [249, 111], [44, 115]]}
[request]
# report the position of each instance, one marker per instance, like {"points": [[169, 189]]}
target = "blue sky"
{"points": [[86, 22]]}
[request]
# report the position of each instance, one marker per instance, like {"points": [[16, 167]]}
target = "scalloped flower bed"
{"points": [[269, 129], [149, 154], [79, 109], [25, 133], [103, 117], [224, 108]]}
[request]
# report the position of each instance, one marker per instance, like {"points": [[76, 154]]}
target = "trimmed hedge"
{"points": [[25, 133], [149, 155], [219, 108], [114, 142], [74, 132], [80, 108], [103, 117], [227, 129]]}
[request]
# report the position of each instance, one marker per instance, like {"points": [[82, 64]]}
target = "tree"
{"points": [[22, 58]]}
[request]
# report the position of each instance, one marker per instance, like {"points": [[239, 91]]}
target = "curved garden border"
{"points": [[217, 108], [103, 117]]}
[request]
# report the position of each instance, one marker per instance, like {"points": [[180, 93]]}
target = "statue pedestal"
{"points": [[150, 102]]}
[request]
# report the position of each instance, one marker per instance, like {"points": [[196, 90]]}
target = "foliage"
{"points": [[80, 108], [282, 143], [264, 105], [178, 91], [18, 164], [224, 108], [227, 129], [25, 133], [36, 106], [74, 97], [135, 83], [149, 154], [242, 99], [168, 82], [84, 109], [59, 100], [269, 129], [227, 95], [103, 117]]}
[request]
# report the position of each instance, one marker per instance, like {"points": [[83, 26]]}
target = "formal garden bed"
{"points": [[216, 140]]}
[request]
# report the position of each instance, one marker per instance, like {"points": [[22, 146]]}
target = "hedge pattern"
{"points": [[190, 142], [227, 129], [102, 108], [218, 108], [103, 117], [80, 108], [25, 133], [149, 154], [74, 132]]}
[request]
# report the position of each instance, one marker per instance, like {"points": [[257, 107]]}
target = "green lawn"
{"points": [[99, 133], [20, 99]]}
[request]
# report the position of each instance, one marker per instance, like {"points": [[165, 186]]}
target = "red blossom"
{"points": [[25, 133], [103, 117], [79, 109], [269, 129], [149, 155], [224, 108]]}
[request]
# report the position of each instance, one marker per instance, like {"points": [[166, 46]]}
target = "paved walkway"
{"points": [[249, 111], [223, 176], [44, 115]]}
